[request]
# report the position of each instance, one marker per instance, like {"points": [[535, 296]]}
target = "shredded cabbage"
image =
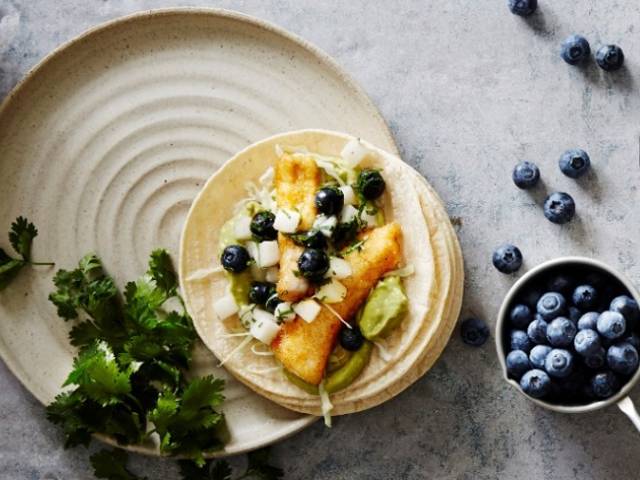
{"points": [[383, 351], [325, 404], [328, 307], [258, 352], [405, 271], [335, 167], [204, 273], [240, 346]]}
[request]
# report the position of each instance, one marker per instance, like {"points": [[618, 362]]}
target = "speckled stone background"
{"points": [[468, 90]]}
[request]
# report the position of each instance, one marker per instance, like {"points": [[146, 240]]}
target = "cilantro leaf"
{"points": [[162, 271], [9, 268], [67, 410], [259, 466], [112, 465], [21, 236]]}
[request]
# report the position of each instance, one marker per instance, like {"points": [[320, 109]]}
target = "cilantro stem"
{"points": [[42, 263]]}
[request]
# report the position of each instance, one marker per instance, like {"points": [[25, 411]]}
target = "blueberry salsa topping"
{"points": [[610, 58], [507, 258], [474, 332], [575, 49], [559, 208], [574, 163], [526, 175], [566, 349], [313, 263], [351, 338], [329, 200], [260, 292], [370, 184], [523, 8], [235, 258], [262, 226]]}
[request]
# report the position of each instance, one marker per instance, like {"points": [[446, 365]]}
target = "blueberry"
{"points": [[474, 331], [262, 225], [574, 314], [585, 297], [536, 383], [574, 163], [313, 263], [370, 184], [521, 316], [605, 384], [587, 342], [538, 355], [272, 302], [507, 258], [351, 338], [561, 332], [622, 358], [559, 208], [562, 283], [559, 363], [628, 307], [610, 57], [537, 330], [588, 321], [519, 340], [551, 305], [611, 325], [634, 340], [517, 363], [329, 200], [575, 49], [315, 240], [526, 175], [531, 297], [260, 292], [596, 360], [235, 258], [523, 8]]}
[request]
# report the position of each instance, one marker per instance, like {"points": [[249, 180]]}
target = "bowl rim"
{"points": [[501, 319]]}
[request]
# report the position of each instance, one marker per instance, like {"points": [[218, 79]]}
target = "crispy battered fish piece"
{"points": [[304, 348], [297, 179]]}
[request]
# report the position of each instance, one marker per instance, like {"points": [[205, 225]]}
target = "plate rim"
{"points": [[326, 60]]}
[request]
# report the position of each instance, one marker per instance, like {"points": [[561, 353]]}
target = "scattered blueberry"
{"points": [[235, 258], [563, 284], [537, 330], [574, 163], [596, 360], [351, 338], [588, 321], [585, 297], [538, 355], [575, 49], [520, 341], [521, 316], [474, 332], [622, 358], [313, 263], [561, 332], [559, 363], [262, 225], [611, 325], [628, 307], [329, 200], [535, 383], [574, 314], [507, 258], [526, 175], [551, 305], [610, 57], [517, 363], [559, 208], [604, 384], [587, 342], [523, 8]]}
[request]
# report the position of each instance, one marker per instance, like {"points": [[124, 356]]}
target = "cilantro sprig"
{"points": [[130, 376], [21, 238]]}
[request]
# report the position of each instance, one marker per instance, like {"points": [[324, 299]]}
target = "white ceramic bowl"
{"points": [[621, 398]]}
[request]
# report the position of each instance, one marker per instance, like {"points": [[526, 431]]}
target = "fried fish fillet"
{"points": [[297, 179], [304, 348]]}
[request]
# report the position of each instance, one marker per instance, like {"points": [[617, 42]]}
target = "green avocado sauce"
{"points": [[384, 310]]}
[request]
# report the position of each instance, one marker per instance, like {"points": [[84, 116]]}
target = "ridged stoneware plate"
{"points": [[105, 144]]}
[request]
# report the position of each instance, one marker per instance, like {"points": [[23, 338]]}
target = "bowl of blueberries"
{"points": [[568, 336]]}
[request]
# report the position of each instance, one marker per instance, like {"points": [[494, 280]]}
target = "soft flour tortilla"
{"points": [[199, 252], [437, 330]]}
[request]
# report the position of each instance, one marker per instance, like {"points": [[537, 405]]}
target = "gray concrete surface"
{"points": [[468, 90]]}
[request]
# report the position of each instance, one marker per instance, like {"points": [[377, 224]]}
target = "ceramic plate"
{"points": [[107, 141]]}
